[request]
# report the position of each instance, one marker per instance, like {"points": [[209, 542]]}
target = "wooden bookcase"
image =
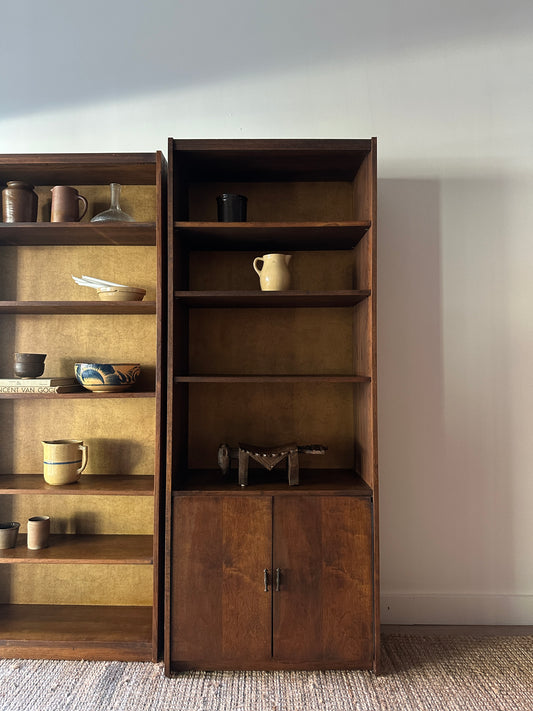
{"points": [[94, 593], [270, 576]]}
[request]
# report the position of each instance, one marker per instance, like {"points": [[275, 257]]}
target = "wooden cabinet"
{"points": [[272, 580], [94, 592], [246, 365]]}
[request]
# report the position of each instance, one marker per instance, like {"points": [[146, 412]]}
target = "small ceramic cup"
{"points": [[29, 365], [8, 534], [38, 532]]}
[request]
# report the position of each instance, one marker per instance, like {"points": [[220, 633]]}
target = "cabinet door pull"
{"points": [[265, 578], [278, 578]]}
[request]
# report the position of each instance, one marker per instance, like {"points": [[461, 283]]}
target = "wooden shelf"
{"points": [[271, 299], [90, 485], [272, 379], [269, 159], [79, 168], [94, 549], [50, 234], [76, 632], [260, 481], [84, 395], [294, 236], [77, 307]]}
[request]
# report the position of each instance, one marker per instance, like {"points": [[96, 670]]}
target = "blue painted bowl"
{"points": [[107, 377]]}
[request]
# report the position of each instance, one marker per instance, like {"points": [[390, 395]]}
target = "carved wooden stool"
{"points": [[268, 457]]}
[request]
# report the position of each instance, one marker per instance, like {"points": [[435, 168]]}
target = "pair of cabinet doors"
{"points": [[271, 582]]}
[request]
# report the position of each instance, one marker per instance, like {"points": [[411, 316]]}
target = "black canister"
{"points": [[231, 207], [19, 202]]}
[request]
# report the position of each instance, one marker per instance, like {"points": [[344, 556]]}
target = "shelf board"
{"points": [[50, 234], [272, 379], [91, 485], [77, 307], [269, 159], [76, 632], [79, 168], [293, 236], [269, 299], [85, 394], [312, 481], [97, 549]]}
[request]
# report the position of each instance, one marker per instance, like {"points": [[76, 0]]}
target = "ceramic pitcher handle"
{"points": [[258, 259], [85, 206], [84, 458]]}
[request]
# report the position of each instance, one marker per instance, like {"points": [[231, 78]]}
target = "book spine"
{"points": [[39, 389], [38, 382]]}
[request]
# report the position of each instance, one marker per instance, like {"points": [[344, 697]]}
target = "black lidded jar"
{"points": [[231, 207]]}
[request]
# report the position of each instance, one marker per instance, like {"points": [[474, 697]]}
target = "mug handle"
{"points": [[84, 458], [85, 206], [258, 259]]}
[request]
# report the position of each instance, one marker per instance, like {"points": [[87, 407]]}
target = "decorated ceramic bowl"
{"points": [[107, 377]]}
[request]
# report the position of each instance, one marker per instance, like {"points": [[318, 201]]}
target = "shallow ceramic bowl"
{"points": [[107, 377], [121, 293]]}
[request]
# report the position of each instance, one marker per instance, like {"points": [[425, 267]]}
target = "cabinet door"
{"points": [[323, 610], [220, 612]]}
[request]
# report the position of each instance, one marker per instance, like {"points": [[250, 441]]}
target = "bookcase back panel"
{"points": [[76, 584], [310, 271], [138, 201], [270, 414], [277, 201], [119, 433], [270, 341]]}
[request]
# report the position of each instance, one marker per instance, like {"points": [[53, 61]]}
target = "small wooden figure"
{"points": [[268, 457]]}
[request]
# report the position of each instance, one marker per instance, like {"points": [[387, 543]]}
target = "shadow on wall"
{"points": [[444, 406]]}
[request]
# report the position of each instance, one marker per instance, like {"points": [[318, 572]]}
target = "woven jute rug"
{"points": [[420, 673]]}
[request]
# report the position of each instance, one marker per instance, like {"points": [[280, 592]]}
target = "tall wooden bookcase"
{"points": [[270, 576], [94, 592]]}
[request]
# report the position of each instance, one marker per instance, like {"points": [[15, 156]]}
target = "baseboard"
{"points": [[438, 609]]}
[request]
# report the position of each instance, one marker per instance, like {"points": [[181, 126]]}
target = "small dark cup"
{"points": [[29, 365], [231, 207]]}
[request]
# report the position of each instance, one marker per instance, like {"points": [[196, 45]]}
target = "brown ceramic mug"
{"points": [[66, 204]]}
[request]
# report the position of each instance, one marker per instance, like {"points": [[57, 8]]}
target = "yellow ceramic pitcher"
{"points": [[274, 273], [64, 460]]}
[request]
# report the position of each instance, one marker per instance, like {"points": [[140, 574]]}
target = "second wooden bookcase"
{"points": [[270, 576]]}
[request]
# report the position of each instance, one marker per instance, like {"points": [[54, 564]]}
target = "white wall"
{"points": [[447, 88]]}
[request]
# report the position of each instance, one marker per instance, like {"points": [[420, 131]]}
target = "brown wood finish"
{"points": [[270, 299], [272, 236], [267, 367], [95, 485], [324, 607], [77, 307], [134, 633], [26, 234], [320, 482], [221, 611], [111, 550], [75, 632], [77, 395]]}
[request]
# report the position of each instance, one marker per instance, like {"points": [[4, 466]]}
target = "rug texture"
{"points": [[420, 673]]}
